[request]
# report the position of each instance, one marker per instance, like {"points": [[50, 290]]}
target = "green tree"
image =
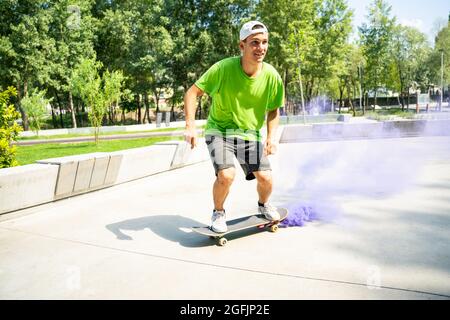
{"points": [[87, 84], [113, 90], [150, 55], [73, 30], [35, 105], [26, 46], [292, 39], [9, 129], [306, 40], [333, 30], [441, 50], [375, 37], [409, 53], [348, 76], [203, 32]]}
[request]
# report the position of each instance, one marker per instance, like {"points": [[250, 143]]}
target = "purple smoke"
{"points": [[298, 215], [315, 178]]}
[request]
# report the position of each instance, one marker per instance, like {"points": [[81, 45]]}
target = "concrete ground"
{"points": [[383, 232]]}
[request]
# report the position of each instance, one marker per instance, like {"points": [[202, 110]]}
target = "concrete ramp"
{"points": [[377, 238]]}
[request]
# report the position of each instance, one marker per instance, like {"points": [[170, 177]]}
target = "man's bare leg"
{"points": [[264, 188], [222, 186], [264, 185]]}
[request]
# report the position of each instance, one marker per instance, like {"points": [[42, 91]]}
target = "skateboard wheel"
{"points": [[274, 228], [222, 242]]}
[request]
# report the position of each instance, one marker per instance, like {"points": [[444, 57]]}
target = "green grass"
{"points": [[60, 136], [387, 114], [29, 154]]}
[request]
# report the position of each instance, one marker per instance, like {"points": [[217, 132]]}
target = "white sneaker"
{"points": [[269, 212], [219, 221]]}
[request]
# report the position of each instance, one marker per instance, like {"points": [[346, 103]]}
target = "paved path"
{"points": [[383, 232], [175, 133]]}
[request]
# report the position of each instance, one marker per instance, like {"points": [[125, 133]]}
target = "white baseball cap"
{"points": [[250, 28]]}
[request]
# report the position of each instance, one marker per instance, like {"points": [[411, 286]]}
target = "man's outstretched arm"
{"points": [[273, 119], [190, 106]]}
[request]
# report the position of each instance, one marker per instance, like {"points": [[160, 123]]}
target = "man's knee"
{"points": [[226, 176], [264, 177]]}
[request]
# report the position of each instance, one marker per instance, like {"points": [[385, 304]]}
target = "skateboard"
{"points": [[256, 220]]}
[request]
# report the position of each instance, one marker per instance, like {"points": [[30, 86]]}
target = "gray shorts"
{"points": [[249, 154]]}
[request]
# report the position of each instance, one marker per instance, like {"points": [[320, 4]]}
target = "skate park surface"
{"points": [[382, 231]]}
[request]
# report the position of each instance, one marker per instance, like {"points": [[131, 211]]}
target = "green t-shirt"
{"points": [[239, 102]]}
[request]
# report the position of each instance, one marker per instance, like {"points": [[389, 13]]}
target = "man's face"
{"points": [[255, 47]]}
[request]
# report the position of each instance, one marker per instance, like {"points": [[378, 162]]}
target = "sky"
{"points": [[422, 14]]}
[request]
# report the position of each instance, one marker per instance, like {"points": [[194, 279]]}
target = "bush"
{"points": [[9, 129]]}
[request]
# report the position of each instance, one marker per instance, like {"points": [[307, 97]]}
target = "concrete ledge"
{"points": [[115, 160], [198, 154], [141, 162], [362, 130], [327, 131], [403, 127], [58, 178], [373, 130], [26, 186], [294, 132], [99, 172], [184, 155], [308, 119], [437, 128], [75, 173]]}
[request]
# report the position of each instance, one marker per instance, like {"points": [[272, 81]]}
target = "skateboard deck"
{"points": [[256, 220]]}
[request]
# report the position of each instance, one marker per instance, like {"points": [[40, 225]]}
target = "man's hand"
{"points": [[273, 118], [269, 147], [190, 136]]}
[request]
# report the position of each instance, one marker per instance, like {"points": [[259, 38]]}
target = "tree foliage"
{"points": [[35, 105], [9, 129], [376, 36], [162, 46]]}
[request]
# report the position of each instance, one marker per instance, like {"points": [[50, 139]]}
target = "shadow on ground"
{"points": [[174, 228]]}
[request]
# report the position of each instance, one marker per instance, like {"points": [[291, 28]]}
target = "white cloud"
{"points": [[416, 23]]}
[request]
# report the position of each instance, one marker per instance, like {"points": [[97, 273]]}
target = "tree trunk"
{"points": [[403, 101], [147, 107], [60, 109], [61, 116], [367, 102], [146, 112], [375, 100], [407, 101], [350, 100], [55, 123], [72, 110], [96, 134], [341, 93], [172, 112], [110, 114], [156, 98], [22, 112], [138, 100], [82, 113]]}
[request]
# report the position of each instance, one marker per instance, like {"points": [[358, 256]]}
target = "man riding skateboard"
{"points": [[243, 90]]}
